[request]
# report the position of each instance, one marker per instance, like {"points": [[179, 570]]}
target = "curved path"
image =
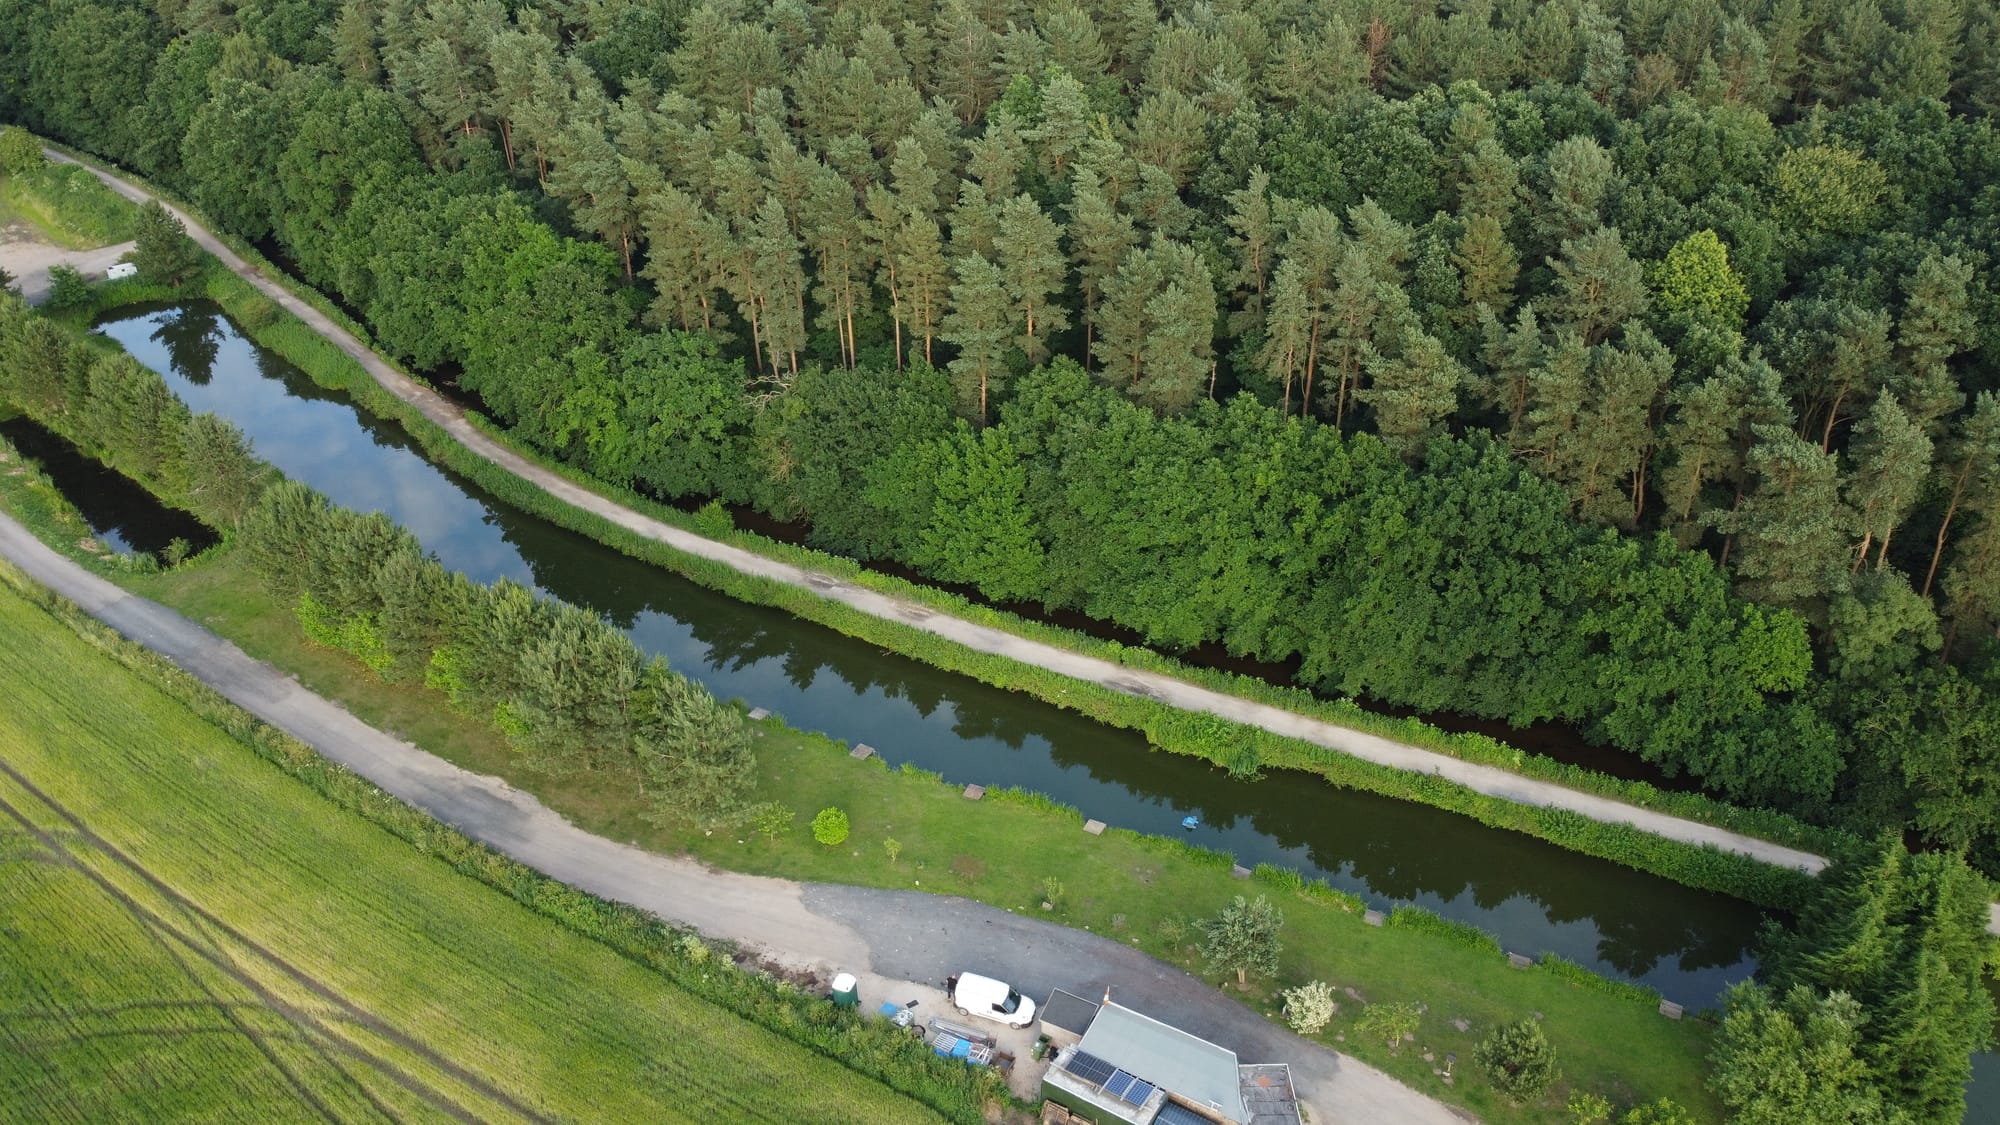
{"points": [[1489, 780], [894, 939]]}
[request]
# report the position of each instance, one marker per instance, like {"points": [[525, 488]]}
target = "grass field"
{"points": [[1001, 851], [186, 933]]}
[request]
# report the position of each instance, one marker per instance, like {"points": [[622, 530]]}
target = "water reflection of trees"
{"points": [[192, 335]]}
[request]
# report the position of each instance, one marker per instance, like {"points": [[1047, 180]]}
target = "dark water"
{"points": [[1687, 943], [121, 513]]}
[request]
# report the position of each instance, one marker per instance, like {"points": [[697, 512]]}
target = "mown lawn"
{"points": [[186, 933], [1002, 851]]}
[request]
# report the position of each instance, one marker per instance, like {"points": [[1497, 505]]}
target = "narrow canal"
{"points": [[1536, 897], [120, 513]]}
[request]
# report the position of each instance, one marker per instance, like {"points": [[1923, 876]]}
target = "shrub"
{"points": [[892, 848], [1052, 891], [1391, 1023], [1518, 1059], [830, 827], [770, 819], [1309, 1006], [19, 150], [1587, 1109], [67, 288]]}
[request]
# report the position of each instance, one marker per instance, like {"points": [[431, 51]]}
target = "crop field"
{"points": [[186, 933]]}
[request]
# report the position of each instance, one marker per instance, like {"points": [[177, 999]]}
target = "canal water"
{"points": [[1689, 944], [121, 514]]}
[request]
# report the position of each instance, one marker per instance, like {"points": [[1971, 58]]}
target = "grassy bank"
{"points": [[188, 931], [1143, 890], [67, 204]]}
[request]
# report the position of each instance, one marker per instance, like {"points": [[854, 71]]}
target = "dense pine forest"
{"points": [[1627, 364]]}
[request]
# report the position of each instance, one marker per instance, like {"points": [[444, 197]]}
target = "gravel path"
{"points": [[900, 942], [1174, 692], [26, 257]]}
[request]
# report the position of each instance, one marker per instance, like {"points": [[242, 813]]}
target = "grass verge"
{"points": [[1140, 889], [188, 929]]}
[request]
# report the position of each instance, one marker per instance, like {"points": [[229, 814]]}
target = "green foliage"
{"points": [[1389, 1023], [162, 250], [1663, 1111], [20, 152], [71, 206], [1890, 957], [1585, 1108], [1309, 1007], [1243, 938], [893, 848], [1797, 1059], [355, 635], [67, 288], [772, 820], [829, 827], [1459, 933], [1518, 1059]]}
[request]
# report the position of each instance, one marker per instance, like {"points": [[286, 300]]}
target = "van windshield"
{"points": [[1011, 1004]]}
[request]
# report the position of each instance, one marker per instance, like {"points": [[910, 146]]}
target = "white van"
{"points": [[120, 269], [990, 999]]}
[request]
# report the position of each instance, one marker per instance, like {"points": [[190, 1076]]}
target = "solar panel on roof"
{"points": [[1173, 1113], [1118, 1083], [1090, 1068], [1139, 1092]]}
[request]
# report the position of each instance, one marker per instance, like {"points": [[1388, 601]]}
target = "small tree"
{"points": [[892, 848], [1390, 1023], [1587, 1109], [770, 819], [1309, 1006], [1244, 938], [6, 281], [67, 288], [19, 151], [830, 827], [161, 249], [1519, 1060]]}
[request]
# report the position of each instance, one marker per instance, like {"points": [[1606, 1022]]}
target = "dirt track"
{"points": [[26, 256]]}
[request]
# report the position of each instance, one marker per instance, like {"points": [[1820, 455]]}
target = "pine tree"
{"points": [[687, 255], [1792, 528], [1487, 267], [1972, 462], [161, 249], [1412, 394], [1253, 236], [1288, 329], [1177, 357], [1892, 459], [1100, 238], [1122, 321], [779, 278], [1065, 125], [1598, 286], [1035, 272], [981, 324], [1696, 449]]}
